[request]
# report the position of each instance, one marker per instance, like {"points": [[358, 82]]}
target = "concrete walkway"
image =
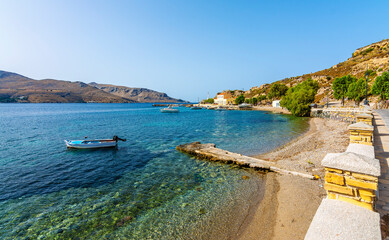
{"points": [[381, 148]]}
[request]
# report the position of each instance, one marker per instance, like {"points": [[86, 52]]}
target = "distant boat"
{"points": [[95, 143], [245, 106], [196, 108], [220, 109], [169, 109]]}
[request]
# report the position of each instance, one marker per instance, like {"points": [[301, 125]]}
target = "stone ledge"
{"points": [[341, 220], [361, 126], [364, 115], [349, 161], [361, 149]]}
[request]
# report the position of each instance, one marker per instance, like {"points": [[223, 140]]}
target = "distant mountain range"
{"points": [[135, 94], [17, 88]]}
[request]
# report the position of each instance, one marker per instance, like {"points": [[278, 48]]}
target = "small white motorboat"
{"points": [[95, 143], [169, 109], [245, 106]]}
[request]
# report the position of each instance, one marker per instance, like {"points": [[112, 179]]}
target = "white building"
{"points": [[220, 100], [276, 103]]}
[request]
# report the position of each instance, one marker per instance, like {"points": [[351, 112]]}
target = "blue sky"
{"points": [[184, 48]]}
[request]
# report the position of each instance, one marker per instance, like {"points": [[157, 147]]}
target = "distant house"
{"points": [[224, 98], [231, 100], [276, 103]]}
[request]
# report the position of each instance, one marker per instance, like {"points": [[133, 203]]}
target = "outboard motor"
{"points": [[116, 138]]}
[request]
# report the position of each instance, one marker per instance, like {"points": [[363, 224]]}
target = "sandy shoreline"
{"points": [[271, 109], [290, 202]]}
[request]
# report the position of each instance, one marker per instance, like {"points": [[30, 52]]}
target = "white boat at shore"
{"points": [[169, 109], [245, 106], [95, 143]]}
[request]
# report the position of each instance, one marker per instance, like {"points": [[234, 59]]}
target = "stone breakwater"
{"points": [[210, 152], [342, 114], [351, 183]]}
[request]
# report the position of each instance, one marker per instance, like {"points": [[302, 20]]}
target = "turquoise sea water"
{"points": [[143, 190]]}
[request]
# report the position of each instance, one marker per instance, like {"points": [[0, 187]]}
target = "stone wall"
{"points": [[352, 176], [351, 183], [355, 188], [361, 133], [340, 114]]}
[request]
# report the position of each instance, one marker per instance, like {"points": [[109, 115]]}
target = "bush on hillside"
{"points": [[261, 97], [239, 99], [209, 100], [277, 90], [298, 98], [381, 86]]}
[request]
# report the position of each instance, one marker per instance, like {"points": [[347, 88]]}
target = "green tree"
{"points": [[261, 97], [340, 86], [239, 99], [209, 100], [357, 90], [277, 90], [298, 98], [381, 86], [255, 101]]}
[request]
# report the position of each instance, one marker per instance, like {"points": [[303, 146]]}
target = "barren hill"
{"points": [[374, 56], [136, 94], [17, 88]]}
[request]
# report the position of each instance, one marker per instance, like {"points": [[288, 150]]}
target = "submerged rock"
{"points": [[123, 221]]}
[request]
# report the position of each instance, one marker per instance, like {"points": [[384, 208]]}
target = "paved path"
{"points": [[381, 148]]}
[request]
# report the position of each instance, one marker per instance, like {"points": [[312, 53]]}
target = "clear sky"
{"points": [[184, 48]]}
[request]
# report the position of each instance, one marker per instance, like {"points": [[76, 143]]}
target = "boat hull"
{"points": [[167, 110], [90, 144]]}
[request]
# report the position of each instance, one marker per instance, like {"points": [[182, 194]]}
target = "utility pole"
{"points": [[366, 78]]}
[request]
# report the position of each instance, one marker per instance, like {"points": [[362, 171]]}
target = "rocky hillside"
{"points": [[17, 88], [136, 94], [374, 56]]}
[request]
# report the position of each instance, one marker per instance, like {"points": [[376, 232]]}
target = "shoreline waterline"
{"points": [[296, 200]]}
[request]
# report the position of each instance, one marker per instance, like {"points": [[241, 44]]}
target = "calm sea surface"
{"points": [[143, 190]]}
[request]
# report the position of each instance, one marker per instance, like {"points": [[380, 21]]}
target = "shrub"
{"points": [[277, 90], [209, 100], [298, 98], [240, 99], [261, 97], [364, 52], [381, 86]]}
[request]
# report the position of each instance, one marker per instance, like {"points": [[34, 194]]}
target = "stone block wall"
{"points": [[352, 176], [358, 189], [351, 183], [365, 118], [361, 133], [341, 114]]}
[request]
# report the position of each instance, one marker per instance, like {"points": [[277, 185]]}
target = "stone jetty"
{"points": [[209, 151]]}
